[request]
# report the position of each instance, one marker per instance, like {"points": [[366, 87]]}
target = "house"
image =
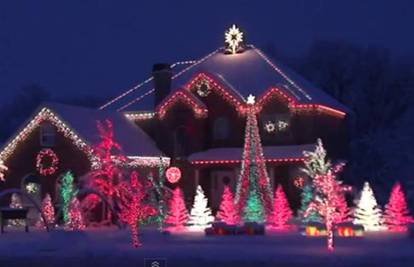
{"points": [[62, 137], [194, 113]]}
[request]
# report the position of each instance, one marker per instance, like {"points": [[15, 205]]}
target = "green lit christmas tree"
{"points": [[67, 192], [254, 197]]}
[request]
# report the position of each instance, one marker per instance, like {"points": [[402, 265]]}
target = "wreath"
{"points": [[47, 162]]}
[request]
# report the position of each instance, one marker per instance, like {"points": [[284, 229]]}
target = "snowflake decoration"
{"points": [[279, 126], [32, 188], [282, 125], [270, 127], [233, 39]]}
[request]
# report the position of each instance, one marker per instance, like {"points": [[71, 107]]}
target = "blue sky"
{"points": [[104, 47]]}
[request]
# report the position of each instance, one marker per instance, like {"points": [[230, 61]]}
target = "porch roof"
{"points": [[233, 155]]}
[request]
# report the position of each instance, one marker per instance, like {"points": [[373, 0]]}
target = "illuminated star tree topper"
{"points": [[234, 39]]}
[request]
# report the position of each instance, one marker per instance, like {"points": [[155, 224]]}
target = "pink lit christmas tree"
{"points": [[76, 222], [228, 212], [177, 215], [344, 213], [397, 216], [281, 210], [253, 192], [48, 210]]}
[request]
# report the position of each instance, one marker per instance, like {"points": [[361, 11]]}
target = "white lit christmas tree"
{"points": [[368, 213], [200, 215]]}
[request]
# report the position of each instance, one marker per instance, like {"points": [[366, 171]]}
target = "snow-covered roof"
{"points": [[80, 123], [234, 154], [249, 72], [133, 140]]}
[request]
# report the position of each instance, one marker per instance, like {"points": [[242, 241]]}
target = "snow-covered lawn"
{"points": [[111, 247]]}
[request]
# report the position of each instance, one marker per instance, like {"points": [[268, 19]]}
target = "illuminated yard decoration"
{"points": [[134, 208], [228, 212], [173, 174], [109, 171], [76, 222], [254, 197], [16, 203], [47, 162], [49, 212], [200, 216], [367, 212], [177, 212], [233, 39], [328, 191], [68, 192], [3, 168], [281, 210], [397, 216]]}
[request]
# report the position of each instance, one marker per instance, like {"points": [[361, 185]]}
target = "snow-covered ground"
{"points": [[111, 247]]}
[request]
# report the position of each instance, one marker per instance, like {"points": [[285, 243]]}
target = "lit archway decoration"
{"points": [[47, 162], [173, 174]]}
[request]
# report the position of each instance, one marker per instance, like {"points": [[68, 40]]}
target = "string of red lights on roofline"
{"points": [[238, 161], [200, 110]]}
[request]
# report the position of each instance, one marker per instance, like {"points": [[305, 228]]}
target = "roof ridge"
{"points": [[284, 75], [197, 62]]}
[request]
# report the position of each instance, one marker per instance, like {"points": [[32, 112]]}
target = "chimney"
{"points": [[162, 74]]}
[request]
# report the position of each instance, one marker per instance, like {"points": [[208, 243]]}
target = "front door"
{"points": [[219, 180]]}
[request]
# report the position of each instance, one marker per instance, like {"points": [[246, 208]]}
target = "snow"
{"points": [[133, 140], [245, 73], [110, 247], [235, 153]]}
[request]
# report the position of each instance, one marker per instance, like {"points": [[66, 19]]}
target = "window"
{"points": [[47, 135], [221, 128]]}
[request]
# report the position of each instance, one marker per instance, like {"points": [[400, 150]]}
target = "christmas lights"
{"points": [[200, 216], [397, 216], [68, 192], [3, 168], [75, 221], [203, 89], [173, 174], [228, 94], [238, 161], [174, 77], [133, 207], [177, 212], [139, 116], [228, 212], [198, 107], [292, 103], [234, 39], [45, 114], [328, 190], [49, 212], [253, 185], [282, 213], [47, 162], [367, 212]]}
